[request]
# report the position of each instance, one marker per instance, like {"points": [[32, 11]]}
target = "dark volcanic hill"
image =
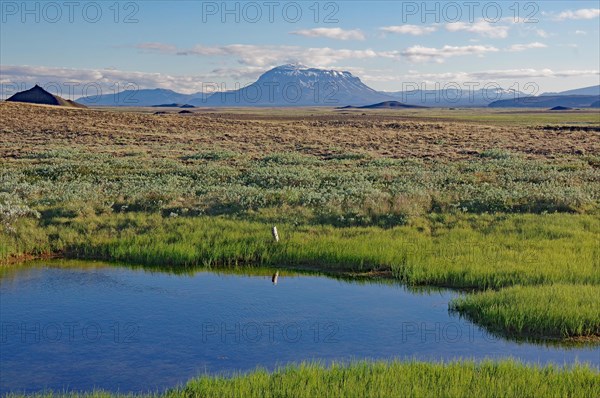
{"points": [[385, 105], [391, 105], [297, 85], [548, 101], [37, 95], [173, 106], [167, 106]]}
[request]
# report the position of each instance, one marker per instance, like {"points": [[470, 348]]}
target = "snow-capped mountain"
{"points": [[298, 85]]}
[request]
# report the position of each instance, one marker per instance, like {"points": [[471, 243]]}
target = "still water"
{"points": [[80, 326]]}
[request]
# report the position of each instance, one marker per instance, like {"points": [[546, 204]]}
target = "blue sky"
{"points": [[391, 45]]}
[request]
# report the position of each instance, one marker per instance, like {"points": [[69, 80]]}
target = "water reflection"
{"points": [[81, 325]]}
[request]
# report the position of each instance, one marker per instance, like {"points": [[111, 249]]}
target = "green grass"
{"points": [[461, 251], [458, 251], [555, 311], [392, 379], [410, 379]]}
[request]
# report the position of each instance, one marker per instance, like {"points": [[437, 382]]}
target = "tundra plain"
{"points": [[503, 205]]}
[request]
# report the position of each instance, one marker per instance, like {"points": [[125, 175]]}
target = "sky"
{"points": [[74, 47]]}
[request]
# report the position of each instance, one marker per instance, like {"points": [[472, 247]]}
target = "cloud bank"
{"points": [[331, 33]]}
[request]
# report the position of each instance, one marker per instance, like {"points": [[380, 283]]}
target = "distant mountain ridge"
{"points": [[452, 97], [143, 97], [298, 85], [284, 86], [548, 101], [592, 90]]}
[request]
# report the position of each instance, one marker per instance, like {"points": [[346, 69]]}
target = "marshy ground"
{"points": [[504, 205]]}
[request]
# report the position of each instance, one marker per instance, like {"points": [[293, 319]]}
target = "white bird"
{"points": [[275, 277]]}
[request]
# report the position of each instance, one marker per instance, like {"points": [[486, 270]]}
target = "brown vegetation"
{"points": [[27, 127]]}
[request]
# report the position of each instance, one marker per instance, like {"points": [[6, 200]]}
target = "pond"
{"points": [[85, 325]]}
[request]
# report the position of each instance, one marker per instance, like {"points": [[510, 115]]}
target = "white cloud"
{"points": [[523, 47], [580, 32], [429, 54], [160, 47], [481, 27], [519, 20], [266, 56], [331, 33], [494, 75], [414, 30], [24, 76], [240, 74], [584, 13], [569, 45], [542, 33]]}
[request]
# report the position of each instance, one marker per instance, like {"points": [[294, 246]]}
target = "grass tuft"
{"points": [[551, 311]]}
